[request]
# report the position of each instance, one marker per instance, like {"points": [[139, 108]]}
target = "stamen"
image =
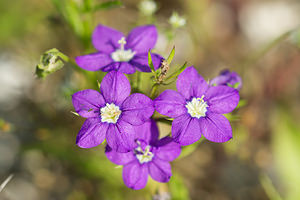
{"points": [[122, 55], [143, 156], [122, 43], [197, 107], [110, 113]]}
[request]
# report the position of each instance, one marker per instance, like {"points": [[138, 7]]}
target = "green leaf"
{"points": [[108, 5], [171, 56], [242, 103], [286, 151], [150, 63], [50, 62], [178, 72]]}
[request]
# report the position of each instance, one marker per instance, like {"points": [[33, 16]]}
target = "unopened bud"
{"points": [[50, 62]]}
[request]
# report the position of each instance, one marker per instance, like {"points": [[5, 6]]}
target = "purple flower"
{"points": [[231, 79], [149, 156], [197, 108], [111, 114], [119, 53]]}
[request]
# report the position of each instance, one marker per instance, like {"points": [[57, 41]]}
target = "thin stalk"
{"points": [[154, 90], [262, 52]]}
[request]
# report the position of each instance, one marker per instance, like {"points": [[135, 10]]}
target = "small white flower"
{"points": [[177, 21], [148, 7]]}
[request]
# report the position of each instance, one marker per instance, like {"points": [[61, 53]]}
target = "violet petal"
{"points": [[126, 68], [140, 61], [119, 158], [115, 87], [87, 103], [135, 176], [121, 137], [191, 84], [148, 131], [216, 128], [105, 39], [142, 38], [186, 130], [92, 133], [137, 109], [170, 103], [167, 150], [160, 170], [93, 62], [222, 99]]}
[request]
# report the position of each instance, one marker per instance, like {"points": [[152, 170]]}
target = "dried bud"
{"points": [[164, 70]]}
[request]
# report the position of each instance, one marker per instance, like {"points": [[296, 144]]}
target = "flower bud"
{"points": [[50, 62]]}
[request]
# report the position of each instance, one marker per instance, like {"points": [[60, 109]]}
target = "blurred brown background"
{"points": [[38, 131]]}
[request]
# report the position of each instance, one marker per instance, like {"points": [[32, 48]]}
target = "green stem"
{"points": [[154, 90], [269, 188], [261, 53], [138, 81]]}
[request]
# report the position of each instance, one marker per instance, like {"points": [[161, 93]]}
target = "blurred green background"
{"points": [[251, 37]]}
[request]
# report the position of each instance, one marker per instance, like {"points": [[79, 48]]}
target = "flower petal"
{"points": [[137, 109], [191, 84], [119, 158], [141, 39], [93, 62], [135, 176], [123, 67], [121, 137], [160, 170], [170, 103], [186, 130], [222, 99], [147, 131], [92, 133], [115, 87], [167, 149], [216, 128], [87, 103], [105, 39], [126, 68], [140, 61]]}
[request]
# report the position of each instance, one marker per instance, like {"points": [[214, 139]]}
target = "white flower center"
{"points": [[143, 156], [197, 107], [110, 113], [122, 55]]}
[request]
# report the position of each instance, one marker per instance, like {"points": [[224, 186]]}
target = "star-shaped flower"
{"points": [[231, 79], [149, 156], [111, 113], [119, 53], [197, 108]]}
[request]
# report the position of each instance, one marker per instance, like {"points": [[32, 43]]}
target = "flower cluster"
{"points": [[125, 121]]}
